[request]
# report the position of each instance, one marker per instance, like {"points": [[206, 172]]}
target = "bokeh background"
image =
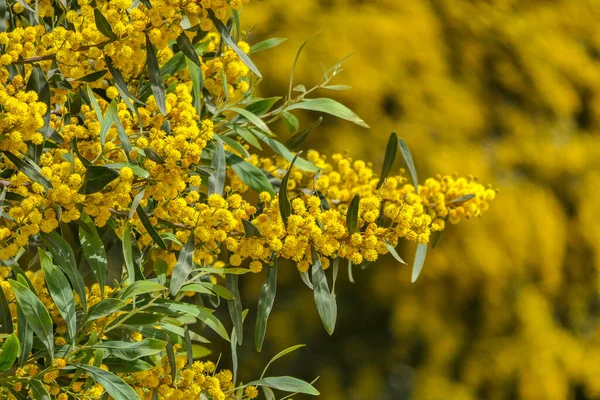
{"points": [[507, 306]]}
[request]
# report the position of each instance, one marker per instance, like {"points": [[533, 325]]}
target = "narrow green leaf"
{"points": [[390, 157], [60, 291], [462, 199], [114, 385], [252, 118], [158, 87], [150, 229], [336, 271], [123, 137], [410, 163], [393, 252], [306, 279], [262, 106], [286, 384], [29, 168], [132, 351], [269, 395], [128, 252], [197, 288], [352, 214], [6, 325], [94, 76], [291, 122], [282, 150], [188, 345], [171, 358], [235, 307], [36, 314], [120, 366], [135, 203], [325, 301], [419, 261], [183, 267], [266, 45], [97, 177], [285, 206], [39, 390], [63, 255], [249, 174], [298, 139], [298, 53], [250, 230], [329, 106], [121, 85], [103, 25], [201, 313], [337, 87], [350, 274], [225, 35], [9, 352], [186, 47], [216, 181], [93, 250], [265, 304], [281, 354], [174, 65], [141, 287], [104, 308], [197, 84], [25, 334]]}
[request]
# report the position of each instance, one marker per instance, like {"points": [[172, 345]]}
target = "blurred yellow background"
{"points": [[507, 306]]}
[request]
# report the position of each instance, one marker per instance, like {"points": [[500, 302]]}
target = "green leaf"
{"points": [[336, 271], [97, 177], [150, 229], [262, 106], [337, 87], [104, 308], [266, 45], [39, 390], [296, 63], [269, 395], [36, 314], [93, 250], [9, 352], [121, 85], [281, 354], [186, 47], [6, 325], [199, 352], [25, 334], [419, 261], [184, 266], [265, 304], [216, 181], [250, 230], [410, 163], [249, 174], [252, 118], [305, 278], [286, 384], [94, 76], [291, 122], [198, 288], [131, 351], [128, 252], [158, 87], [123, 137], [329, 106], [141, 287], [29, 168], [103, 25], [201, 313], [393, 252], [247, 135], [135, 203], [63, 255], [298, 139], [120, 366], [60, 291], [218, 289], [462, 199], [188, 345], [285, 207], [326, 304], [390, 157], [235, 307], [114, 385], [197, 84], [224, 32], [352, 214], [280, 149], [235, 145], [174, 65]]}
